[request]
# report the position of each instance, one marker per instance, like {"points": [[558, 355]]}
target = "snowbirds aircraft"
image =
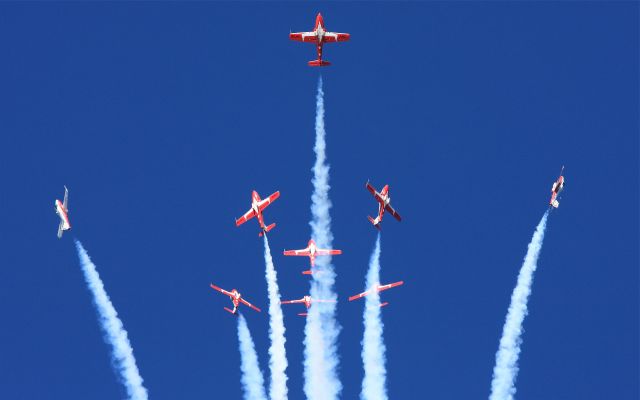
{"points": [[236, 298], [62, 210], [319, 36], [379, 288], [257, 206], [556, 189], [312, 251], [384, 203], [306, 300]]}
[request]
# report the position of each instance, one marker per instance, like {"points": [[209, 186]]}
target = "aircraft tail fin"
{"points": [[555, 204], [375, 222], [319, 63]]}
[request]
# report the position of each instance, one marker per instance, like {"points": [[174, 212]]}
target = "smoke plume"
{"points": [[252, 380], [114, 334], [506, 368], [321, 330]]}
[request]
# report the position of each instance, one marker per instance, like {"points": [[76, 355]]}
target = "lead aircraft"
{"points": [[236, 298], [379, 288], [312, 251], [384, 203], [319, 36], [62, 210], [257, 206], [306, 300]]}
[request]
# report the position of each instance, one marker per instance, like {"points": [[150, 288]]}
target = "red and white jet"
{"points": [[556, 189], [384, 204], [306, 300], [379, 288], [257, 206], [63, 212], [319, 36], [236, 298], [312, 251]]}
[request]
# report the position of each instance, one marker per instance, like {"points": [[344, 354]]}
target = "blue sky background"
{"points": [[162, 117]]}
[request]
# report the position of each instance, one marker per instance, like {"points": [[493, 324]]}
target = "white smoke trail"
{"points": [[321, 329], [277, 352], [252, 380], [114, 333], [374, 383], [506, 368]]}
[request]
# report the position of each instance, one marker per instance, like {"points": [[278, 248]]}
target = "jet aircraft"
{"points": [[379, 288], [306, 300], [62, 210], [384, 203], [319, 36], [236, 298], [257, 206], [311, 251], [556, 189]]}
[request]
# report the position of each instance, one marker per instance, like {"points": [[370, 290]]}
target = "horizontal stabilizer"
{"points": [[374, 222], [307, 272], [267, 229], [386, 303], [302, 314], [319, 63], [229, 310]]}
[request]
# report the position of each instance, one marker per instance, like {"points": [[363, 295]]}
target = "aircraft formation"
{"points": [[319, 35], [312, 251], [258, 205]]}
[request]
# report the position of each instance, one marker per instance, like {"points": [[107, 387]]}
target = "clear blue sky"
{"points": [[162, 117]]}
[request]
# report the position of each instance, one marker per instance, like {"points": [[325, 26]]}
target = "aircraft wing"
{"points": [[246, 303], [65, 203], [374, 192], [308, 37], [332, 37], [301, 252], [292, 301], [327, 252], [60, 230], [265, 203], [393, 212], [389, 286], [359, 296], [221, 290], [247, 216], [371, 189]]}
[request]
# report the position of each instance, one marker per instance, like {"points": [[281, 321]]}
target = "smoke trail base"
{"points": [[374, 383], [277, 352], [321, 329], [252, 379], [122, 353], [506, 368]]}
